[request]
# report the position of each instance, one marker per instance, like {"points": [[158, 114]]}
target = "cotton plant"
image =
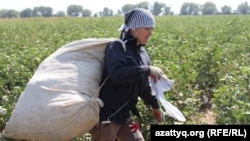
{"points": [[3, 111]]}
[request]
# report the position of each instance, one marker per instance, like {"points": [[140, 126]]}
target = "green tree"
{"points": [[144, 5], [209, 8], [46, 11], [60, 14], [74, 10], [243, 8], [26, 13], [107, 12], [95, 15], [86, 13], [119, 12], [189, 8], [36, 12], [12, 13], [42, 11], [3, 13], [157, 8], [167, 10], [128, 7], [226, 10]]}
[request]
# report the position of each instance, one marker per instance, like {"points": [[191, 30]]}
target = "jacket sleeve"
{"points": [[149, 99], [146, 93], [119, 72]]}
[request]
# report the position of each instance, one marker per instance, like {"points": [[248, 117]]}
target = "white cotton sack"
{"points": [[60, 102]]}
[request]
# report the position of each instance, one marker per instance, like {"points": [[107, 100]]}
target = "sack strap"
{"points": [[99, 100]]}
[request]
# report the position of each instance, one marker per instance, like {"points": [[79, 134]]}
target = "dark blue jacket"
{"points": [[128, 78]]}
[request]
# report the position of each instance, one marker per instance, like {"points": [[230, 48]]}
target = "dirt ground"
{"points": [[209, 117]]}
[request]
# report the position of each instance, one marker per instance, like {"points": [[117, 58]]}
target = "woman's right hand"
{"points": [[155, 73]]}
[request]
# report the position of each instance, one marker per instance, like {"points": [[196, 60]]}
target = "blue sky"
{"points": [[98, 5]]}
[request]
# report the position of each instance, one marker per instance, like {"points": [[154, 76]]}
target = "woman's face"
{"points": [[142, 34]]}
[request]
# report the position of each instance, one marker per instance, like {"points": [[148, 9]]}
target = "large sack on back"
{"points": [[60, 102]]}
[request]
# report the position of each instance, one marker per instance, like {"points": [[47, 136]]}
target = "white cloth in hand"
{"points": [[161, 86]]}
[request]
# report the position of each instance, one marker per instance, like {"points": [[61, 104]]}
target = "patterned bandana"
{"points": [[138, 18]]}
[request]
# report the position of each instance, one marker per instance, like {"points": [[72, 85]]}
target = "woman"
{"points": [[125, 78]]}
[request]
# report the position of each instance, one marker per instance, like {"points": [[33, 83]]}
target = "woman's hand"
{"points": [[155, 73], [159, 115]]}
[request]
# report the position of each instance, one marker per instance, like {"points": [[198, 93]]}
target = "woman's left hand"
{"points": [[159, 115]]}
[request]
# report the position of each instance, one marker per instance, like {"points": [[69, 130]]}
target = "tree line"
{"points": [[187, 8]]}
